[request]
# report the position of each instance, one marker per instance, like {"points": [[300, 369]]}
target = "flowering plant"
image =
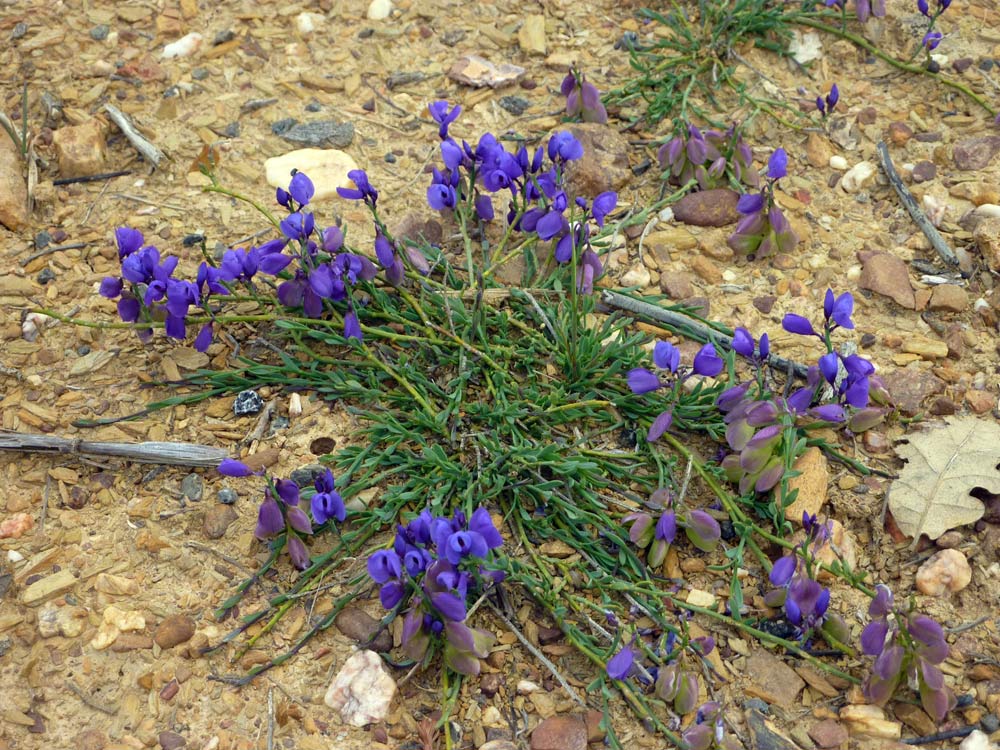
{"points": [[709, 158], [764, 229]]}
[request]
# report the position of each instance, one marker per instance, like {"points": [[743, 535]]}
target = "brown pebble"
{"points": [[692, 565], [980, 401], [899, 133], [171, 740], [765, 304], [174, 630], [357, 624], [594, 731], [943, 406], [560, 733], [169, 690], [876, 442], [217, 519], [867, 116], [949, 539], [489, 684], [131, 642], [90, 739]]}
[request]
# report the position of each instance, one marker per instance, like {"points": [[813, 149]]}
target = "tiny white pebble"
{"points": [[527, 687], [980, 305], [379, 10], [666, 214], [183, 47], [13, 556], [838, 162], [294, 405], [307, 22]]}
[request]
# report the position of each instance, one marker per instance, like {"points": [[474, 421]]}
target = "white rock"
{"points": [[666, 214], [294, 405], [326, 167], [307, 22], [858, 176], [637, 275], [838, 162], [945, 571], [65, 621], [987, 209], [699, 598], [379, 10], [978, 740], [183, 47], [14, 556], [527, 687], [935, 208], [362, 690], [805, 47]]}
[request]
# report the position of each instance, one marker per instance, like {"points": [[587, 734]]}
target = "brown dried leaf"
{"points": [[931, 494]]}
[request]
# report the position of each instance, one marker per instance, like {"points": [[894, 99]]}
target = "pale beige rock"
{"points": [[811, 484], [379, 10], [870, 721], [113, 623], [362, 690], [772, 680], [81, 149], [63, 620], [531, 35], [818, 151], [925, 347], [49, 586], [326, 167], [637, 276], [700, 598], [945, 571], [987, 238], [116, 585], [858, 177], [13, 188]]}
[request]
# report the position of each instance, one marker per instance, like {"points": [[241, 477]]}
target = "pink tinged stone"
{"points": [[362, 691], [944, 572], [16, 526]]}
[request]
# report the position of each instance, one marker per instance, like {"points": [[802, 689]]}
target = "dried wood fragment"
{"points": [[152, 452], [149, 152]]}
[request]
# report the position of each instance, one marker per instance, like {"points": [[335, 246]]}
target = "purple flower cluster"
{"points": [[825, 105], [281, 510], [583, 100], [763, 228], [434, 566], [147, 290], [905, 645], [711, 158], [537, 203], [701, 529], [667, 358]]}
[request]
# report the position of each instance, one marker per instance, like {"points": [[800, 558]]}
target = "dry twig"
{"points": [[149, 152], [152, 452]]}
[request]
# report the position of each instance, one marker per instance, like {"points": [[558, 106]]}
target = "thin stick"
{"points": [[701, 332], [221, 555], [537, 654], [92, 702], [52, 249], [153, 452], [940, 736], [929, 230], [93, 203], [45, 504], [149, 152], [969, 625], [91, 177], [270, 718]]}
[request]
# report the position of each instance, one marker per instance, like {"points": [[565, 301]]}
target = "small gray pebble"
{"points": [[314, 106], [985, 64], [83, 351], [19, 30], [232, 130], [171, 92], [247, 402], [283, 126], [990, 723], [390, 158], [42, 240], [304, 475], [45, 276], [224, 36], [100, 32], [280, 422], [199, 74], [514, 104], [227, 496], [758, 704], [193, 487]]}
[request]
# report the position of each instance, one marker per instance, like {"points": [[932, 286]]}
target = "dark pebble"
{"points": [[100, 32], [314, 106], [489, 684], [990, 723], [629, 40], [171, 92], [319, 134], [279, 423], [304, 475], [199, 74], [283, 126], [868, 340], [224, 36], [192, 487], [193, 239], [20, 30], [985, 64], [45, 276], [529, 84], [227, 496], [59, 235], [171, 740], [362, 627], [765, 304], [934, 66], [83, 351], [42, 240], [369, 106], [962, 64], [758, 704], [642, 167], [232, 130], [727, 530], [964, 701], [516, 105], [927, 137], [247, 402], [924, 171], [453, 37], [390, 158], [365, 33]]}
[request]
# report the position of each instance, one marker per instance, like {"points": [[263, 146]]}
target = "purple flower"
{"points": [[832, 98], [441, 197], [384, 565], [443, 116], [797, 324], [484, 207], [873, 637], [111, 287], [931, 40], [326, 503], [707, 362], [129, 241], [620, 665], [269, 519], [881, 605], [666, 527], [563, 146], [750, 203], [230, 467], [603, 205], [482, 524], [839, 309], [829, 364], [298, 520], [777, 165], [297, 225], [666, 356], [288, 491], [465, 544], [362, 190], [743, 343], [204, 338], [301, 189], [783, 570], [660, 425], [641, 380], [924, 8], [297, 552]]}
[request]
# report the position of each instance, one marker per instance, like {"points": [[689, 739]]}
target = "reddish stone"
{"points": [[829, 733], [560, 733]]}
